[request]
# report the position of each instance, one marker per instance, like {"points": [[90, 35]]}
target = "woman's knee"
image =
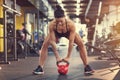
{"points": [[80, 46], [45, 44]]}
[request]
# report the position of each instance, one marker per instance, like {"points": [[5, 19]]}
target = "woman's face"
{"points": [[60, 21]]}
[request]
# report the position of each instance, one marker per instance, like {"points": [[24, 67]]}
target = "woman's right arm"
{"points": [[53, 39]]}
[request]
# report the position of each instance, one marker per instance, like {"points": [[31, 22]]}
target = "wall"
{"points": [[20, 19]]}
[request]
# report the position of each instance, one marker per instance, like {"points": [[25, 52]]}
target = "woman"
{"points": [[62, 27]]}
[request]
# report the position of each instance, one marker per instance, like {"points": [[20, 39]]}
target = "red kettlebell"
{"points": [[63, 67]]}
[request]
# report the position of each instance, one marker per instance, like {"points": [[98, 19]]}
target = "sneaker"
{"points": [[88, 70], [38, 70]]}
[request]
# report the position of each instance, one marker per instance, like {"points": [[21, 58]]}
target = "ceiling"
{"points": [[79, 8], [25, 3], [85, 7], [31, 8], [71, 6]]}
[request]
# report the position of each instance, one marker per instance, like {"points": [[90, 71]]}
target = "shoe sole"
{"points": [[38, 73], [89, 72]]}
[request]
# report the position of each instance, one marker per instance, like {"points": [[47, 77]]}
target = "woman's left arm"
{"points": [[71, 39]]}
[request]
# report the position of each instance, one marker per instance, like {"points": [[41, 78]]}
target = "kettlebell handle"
{"points": [[63, 60]]}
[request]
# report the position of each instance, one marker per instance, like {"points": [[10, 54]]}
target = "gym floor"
{"points": [[22, 69]]}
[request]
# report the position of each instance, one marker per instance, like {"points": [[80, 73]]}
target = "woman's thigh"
{"points": [[78, 40]]}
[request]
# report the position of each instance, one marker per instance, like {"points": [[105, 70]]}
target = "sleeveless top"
{"points": [[59, 35]]}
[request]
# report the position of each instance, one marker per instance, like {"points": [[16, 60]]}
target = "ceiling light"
{"points": [[78, 7], [78, 1], [59, 1]]}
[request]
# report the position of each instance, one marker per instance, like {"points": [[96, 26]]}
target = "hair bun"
{"points": [[59, 12], [58, 7]]}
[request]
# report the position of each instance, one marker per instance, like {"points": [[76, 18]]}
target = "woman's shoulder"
{"points": [[70, 22], [52, 24]]}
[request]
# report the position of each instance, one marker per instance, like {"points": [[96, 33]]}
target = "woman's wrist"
{"points": [[56, 54]]}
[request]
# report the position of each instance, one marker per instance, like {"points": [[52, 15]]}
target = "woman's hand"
{"points": [[66, 59]]}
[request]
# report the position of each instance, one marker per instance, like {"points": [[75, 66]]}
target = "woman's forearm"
{"points": [[70, 47]]}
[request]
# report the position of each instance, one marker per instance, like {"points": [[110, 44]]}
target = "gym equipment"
{"points": [[21, 45], [7, 18], [112, 46], [110, 49], [112, 42], [13, 10], [63, 67], [20, 50]]}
